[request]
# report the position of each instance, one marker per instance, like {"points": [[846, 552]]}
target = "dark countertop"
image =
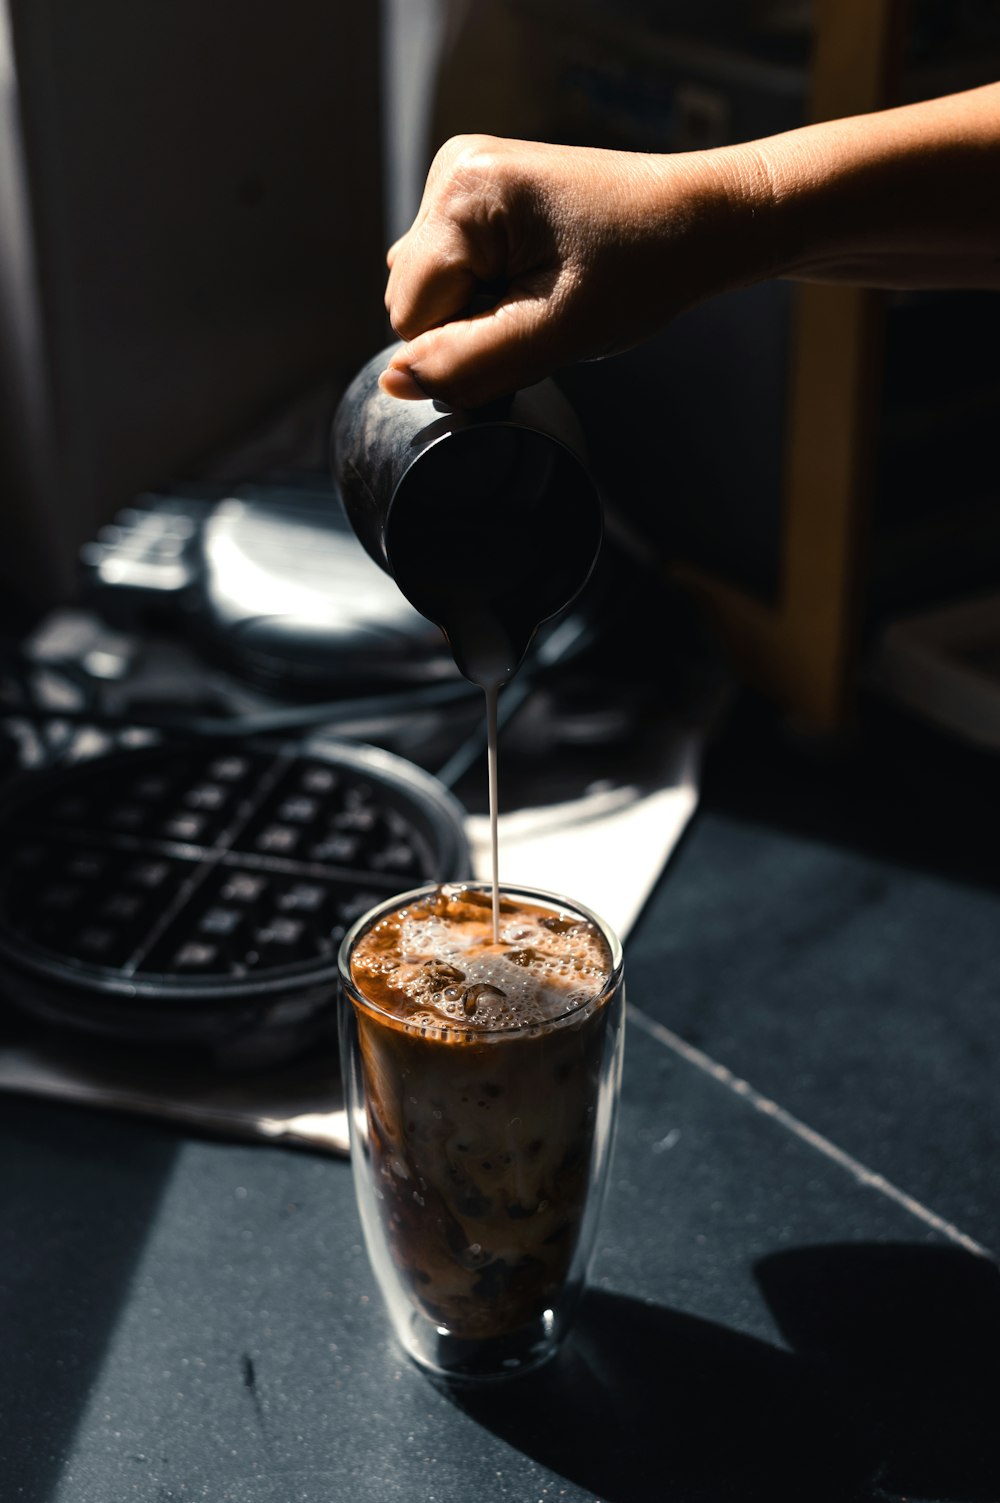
{"points": [[786, 1299]]}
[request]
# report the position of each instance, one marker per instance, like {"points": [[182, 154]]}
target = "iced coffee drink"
{"points": [[483, 1075]]}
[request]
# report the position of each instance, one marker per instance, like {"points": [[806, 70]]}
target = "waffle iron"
{"points": [[195, 892]]}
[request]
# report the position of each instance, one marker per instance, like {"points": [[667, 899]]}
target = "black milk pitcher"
{"points": [[488, 520]]}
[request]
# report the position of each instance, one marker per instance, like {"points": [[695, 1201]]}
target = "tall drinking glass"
{"points": [[482, 1084]]}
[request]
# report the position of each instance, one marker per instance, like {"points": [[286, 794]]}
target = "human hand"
{"points": [[586, 251]]}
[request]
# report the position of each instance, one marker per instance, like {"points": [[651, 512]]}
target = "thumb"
{"points": [[471, 361]]}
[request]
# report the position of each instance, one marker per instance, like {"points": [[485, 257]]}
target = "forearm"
{"points": [[908, 197]]}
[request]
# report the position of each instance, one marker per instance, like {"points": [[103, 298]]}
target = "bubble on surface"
{"points": [[482, 994]]}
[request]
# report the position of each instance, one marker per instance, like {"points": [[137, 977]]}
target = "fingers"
{"points": [[428, 285], [457, 243], [482, 226]]}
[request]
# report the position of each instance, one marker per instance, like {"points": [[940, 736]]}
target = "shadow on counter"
{"points": [[80, 1192], [887, 1394], [645, 1404], [915, 1331]]}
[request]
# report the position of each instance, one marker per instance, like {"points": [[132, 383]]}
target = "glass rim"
{"points": [[366, 920]]}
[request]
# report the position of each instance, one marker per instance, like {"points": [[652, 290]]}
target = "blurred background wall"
{"points": [[191, 234]]}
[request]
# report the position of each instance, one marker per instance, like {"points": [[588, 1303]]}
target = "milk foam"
{"points": [[426, 963]]}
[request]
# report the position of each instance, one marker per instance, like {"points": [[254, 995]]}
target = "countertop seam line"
{"points": [[768, 1108]]}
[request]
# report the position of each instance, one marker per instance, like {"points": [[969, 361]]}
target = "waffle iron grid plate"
{"points": [[196, 892]]}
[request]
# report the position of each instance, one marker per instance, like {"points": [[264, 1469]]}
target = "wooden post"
{"points": [[803, 651]]}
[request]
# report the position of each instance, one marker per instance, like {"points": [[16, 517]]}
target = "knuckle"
{"points": [[471, 160], [465, 147]]}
